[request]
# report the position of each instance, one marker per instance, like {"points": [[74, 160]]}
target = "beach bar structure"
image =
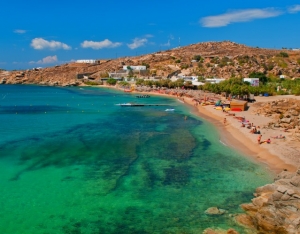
{"points": [[236, 105]]}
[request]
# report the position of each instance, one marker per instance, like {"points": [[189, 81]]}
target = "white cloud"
{"points": [[40, 44], [137, 42], [96, 45], [167, 44], [238, 16], [46, 60], [294, 9], [20, 31], [149, 35]]}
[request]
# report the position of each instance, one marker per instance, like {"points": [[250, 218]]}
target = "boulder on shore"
{"points": [[276, 206]]}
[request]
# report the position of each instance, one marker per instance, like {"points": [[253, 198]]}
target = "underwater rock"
{"points": [[214, 211], [219, 231]]}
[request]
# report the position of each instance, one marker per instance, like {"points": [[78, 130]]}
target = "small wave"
{"points": [[223, 143]]}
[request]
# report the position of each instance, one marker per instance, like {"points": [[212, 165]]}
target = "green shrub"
{"points": [[184, 66], [197, 58], [111, 81], [283, 55], [91, 82]]}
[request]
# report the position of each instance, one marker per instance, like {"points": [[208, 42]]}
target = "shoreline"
{"points": [[234, 137], [236, 140]]}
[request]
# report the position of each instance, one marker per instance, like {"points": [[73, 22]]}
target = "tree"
{"points": [[201, 78], [130, 73], [262, 77], [111, 81], [146, 65], [188, 83], [197, 58]]}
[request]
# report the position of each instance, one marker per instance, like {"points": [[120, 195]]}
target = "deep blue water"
{"points": [[71, 161]]}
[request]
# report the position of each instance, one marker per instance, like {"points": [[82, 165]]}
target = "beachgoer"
{"points": [[253, 130], [224, 120], [259, 139], [266, 141], [279, 137]]}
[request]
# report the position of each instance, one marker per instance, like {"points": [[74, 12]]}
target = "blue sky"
{"points": [[46, 33]]}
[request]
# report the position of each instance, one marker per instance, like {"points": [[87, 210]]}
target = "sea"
{"points": [[73, 161]]}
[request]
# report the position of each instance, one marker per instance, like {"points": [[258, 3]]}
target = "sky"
{"points": [[38, 33]]}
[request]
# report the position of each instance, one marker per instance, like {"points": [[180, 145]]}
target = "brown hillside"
{"points": [[218, 59]]}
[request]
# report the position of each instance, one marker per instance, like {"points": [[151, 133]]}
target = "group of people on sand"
{"points": [[259, 141], [253, 130]]}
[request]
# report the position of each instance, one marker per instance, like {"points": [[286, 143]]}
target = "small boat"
{"points": [[124, 104], [169, 109]]}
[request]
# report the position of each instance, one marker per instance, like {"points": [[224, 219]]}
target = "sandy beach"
{"points": [[279, 155]]}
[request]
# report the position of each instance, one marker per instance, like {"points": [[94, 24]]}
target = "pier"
{"points": [[140, 104]]}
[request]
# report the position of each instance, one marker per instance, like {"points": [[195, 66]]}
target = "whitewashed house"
{"points": [[252, 81], [135, 68], [214, 80]]}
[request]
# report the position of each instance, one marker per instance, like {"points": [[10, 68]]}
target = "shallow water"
{"points": [[71, 161]]}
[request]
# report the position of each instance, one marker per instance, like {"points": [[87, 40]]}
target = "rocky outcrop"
{"points": [[276, 207], [284, 112]]}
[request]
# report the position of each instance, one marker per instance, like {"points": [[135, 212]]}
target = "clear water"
{"points": [[71, 161]]}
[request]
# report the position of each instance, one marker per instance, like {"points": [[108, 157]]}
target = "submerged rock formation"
{"points": [[276, 206], [219, 231], [214, 211]]}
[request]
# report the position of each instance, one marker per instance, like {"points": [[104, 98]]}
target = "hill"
{"points": [[209, 59]]}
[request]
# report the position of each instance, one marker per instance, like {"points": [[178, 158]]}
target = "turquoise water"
{"points": [[71, 161]]}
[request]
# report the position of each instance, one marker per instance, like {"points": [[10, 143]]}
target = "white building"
{"points": [[214, 80], [252, 81], [135, 68], [86, 61]]}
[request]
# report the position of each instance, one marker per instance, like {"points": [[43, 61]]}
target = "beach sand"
{"points": [[280, 154]]}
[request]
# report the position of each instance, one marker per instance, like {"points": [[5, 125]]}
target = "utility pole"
{"points": [[179, 42]]}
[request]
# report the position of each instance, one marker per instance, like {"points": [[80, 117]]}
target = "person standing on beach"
{"points": [[224, 120], [259, 139]]}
